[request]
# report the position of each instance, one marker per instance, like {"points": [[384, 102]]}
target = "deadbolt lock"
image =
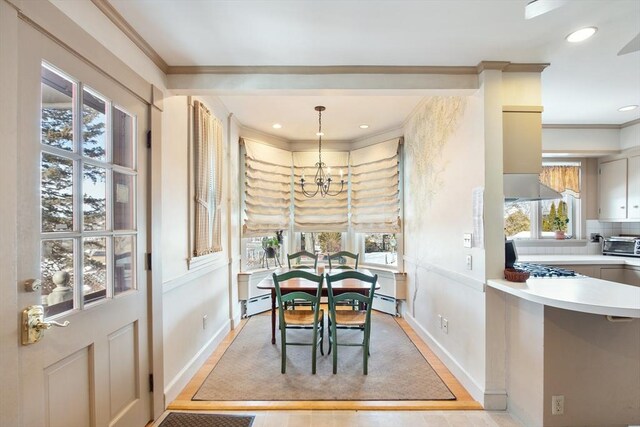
{"points": [[33, 324]]}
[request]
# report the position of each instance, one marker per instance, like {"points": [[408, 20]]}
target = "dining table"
{"points": [[300, 284]]}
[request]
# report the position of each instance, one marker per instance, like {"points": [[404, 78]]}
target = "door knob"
{"points": [[34, 325]]}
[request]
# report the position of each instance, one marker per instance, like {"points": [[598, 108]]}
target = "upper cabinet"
{"points": [[633, 184], [522, 139], [619, 189]]}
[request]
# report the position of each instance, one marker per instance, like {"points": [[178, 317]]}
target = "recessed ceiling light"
{"points": [[628, 108], [364, 126], [276, 126], [581, 34]]}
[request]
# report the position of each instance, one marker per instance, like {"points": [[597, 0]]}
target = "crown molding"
{"points": [[630, 123], [118, 20], [511, 67], [322, 69], [590, 126]]}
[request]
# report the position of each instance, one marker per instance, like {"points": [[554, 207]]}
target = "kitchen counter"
{"points": [[584, 294], [580, 259]]}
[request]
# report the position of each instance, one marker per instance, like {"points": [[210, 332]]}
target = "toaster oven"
{"points": [[621, 245]]}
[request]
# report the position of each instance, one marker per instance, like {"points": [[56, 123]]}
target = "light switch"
{"points": [[468, 237]]}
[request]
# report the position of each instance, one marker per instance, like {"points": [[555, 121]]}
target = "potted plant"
{"points": [[560, 221], [270, 246]]}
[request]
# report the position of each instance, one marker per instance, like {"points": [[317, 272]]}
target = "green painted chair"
{"points": [[311, 318], [350, 319], [340, 260], [299, 258]]}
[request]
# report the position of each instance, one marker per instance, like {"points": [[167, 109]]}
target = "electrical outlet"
{"points": [[204, 321], [557, 405], [440, 321], [467, 238], [445, 325], [469, 261]]}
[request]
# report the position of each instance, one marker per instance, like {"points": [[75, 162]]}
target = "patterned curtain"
{"points": [[207, 144], [562, 178]]}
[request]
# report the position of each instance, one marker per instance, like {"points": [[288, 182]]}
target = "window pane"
{"points": [[56, 269], [57, 110], [122, 139], [380, 248], [558, 215], [254, 252], [123, 198], [56, 189], [93, 126], [124, 267], [94, 273], [517, 219], [94, 202]]}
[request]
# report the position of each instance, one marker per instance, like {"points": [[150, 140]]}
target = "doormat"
{"points": [[189, 419], [249, 370]]}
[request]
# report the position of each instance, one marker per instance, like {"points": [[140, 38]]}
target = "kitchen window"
{"points": [[534, 219]]}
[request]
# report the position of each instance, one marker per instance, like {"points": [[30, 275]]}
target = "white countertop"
{"points": [[580, 259], [583, 294]]}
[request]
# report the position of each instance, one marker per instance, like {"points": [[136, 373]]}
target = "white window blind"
{"points": [[267, 189], [375, 195], [318, 213]]}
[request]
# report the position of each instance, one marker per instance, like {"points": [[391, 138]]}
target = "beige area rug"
{"points": [[250, 368]]}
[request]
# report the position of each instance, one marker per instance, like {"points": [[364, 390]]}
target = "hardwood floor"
{"points": [[463, 401]]}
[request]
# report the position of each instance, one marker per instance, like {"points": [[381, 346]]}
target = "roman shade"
{"points": [[329, 213], [267, 189], [375, 194]]}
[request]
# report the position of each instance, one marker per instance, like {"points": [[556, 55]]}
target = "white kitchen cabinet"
{"points": [[613, 190], [633, 184]]}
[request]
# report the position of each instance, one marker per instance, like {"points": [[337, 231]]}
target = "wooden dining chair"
{"points": [[311, 318], [340, 260], [350, 319], [299, 258]]}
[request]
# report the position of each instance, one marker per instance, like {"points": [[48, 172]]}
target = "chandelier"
{"points": [[322, 179]]}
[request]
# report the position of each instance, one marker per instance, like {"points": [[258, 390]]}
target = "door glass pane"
{"points": [[123, 198], [57, 110], [94, 274], [94, 181], [122, 138], [124, 265], [56, 269], [93, 126], [56, 189]]}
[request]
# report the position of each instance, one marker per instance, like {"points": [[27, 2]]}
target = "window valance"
{"points": [[562, 178]]}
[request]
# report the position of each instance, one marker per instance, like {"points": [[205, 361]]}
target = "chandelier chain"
{"points": [[320, 136]]}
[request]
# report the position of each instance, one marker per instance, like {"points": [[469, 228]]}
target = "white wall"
{"points": [[189, 295], [580, 140], [443, 164]]}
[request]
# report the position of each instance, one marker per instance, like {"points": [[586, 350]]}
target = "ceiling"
{"points": [[585, 84]]}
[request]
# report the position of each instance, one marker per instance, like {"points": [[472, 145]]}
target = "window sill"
{"points": [[532, 243], [203, 261]]}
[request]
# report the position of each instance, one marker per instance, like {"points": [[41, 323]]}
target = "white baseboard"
{"points": [[175, 386], [490, 400], [236, 320]]}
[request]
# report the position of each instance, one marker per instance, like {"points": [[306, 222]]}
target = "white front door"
{"points": [[82, 233]]}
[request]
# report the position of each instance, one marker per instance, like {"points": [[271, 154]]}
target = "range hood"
{"points": [[527, 186]]}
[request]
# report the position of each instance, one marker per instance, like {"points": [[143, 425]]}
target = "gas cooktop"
{"points": [[538, 270]]}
